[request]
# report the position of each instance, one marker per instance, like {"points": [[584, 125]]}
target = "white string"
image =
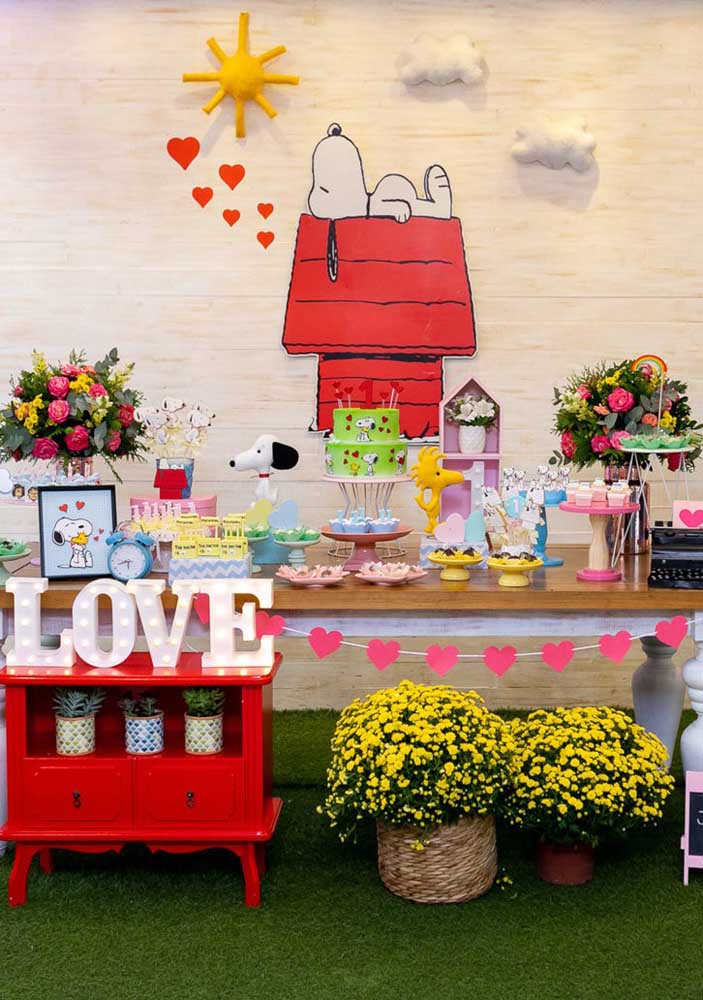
{"points": [[476, 656]]}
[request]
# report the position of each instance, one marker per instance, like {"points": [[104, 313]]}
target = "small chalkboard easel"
{"points": [[692, 840]]}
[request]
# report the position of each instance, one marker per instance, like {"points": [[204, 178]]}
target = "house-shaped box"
{"points": [[479, 469]]}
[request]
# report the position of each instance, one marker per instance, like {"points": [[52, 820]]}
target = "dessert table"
{"points": [[555, 605]]}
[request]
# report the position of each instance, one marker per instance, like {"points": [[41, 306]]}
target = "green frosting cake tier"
{"points": [[366, 460], [363, 426]]}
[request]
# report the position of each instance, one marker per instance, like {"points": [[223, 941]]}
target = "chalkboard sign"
{"points": [[692, 840]]}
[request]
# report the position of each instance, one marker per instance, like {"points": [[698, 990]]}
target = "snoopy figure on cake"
{"points": [[339, 188]]}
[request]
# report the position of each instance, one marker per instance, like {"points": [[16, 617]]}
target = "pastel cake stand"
{"points": [[599, 569], [364, 544]]}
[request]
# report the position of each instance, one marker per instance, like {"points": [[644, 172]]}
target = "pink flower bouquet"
{"points": [[61, 412]]}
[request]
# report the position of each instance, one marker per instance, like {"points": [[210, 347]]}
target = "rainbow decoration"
{"points": [[656, 363]]}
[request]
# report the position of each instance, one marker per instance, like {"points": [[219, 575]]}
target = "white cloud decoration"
{"points": [[442, 60], [556, 144]]}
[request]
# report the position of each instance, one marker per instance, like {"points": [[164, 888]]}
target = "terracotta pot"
{"points": [[565, 864]]}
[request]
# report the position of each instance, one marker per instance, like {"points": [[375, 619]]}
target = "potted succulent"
{"points": [[429, 765], [581, 775], [75, 719], [203, 720], [143, 724], [473, 414]]}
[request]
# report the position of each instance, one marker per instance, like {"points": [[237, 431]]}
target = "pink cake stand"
{"points": [[364, 545], [599, 569]]}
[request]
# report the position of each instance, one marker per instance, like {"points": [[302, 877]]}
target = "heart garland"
{"points": [[323, 642], [382, 654]]}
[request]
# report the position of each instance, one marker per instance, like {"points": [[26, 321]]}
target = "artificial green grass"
{"points": [[162, 927]]}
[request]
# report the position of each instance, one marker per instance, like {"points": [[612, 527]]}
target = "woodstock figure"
{"points": [[429, 475], [339, 187]]}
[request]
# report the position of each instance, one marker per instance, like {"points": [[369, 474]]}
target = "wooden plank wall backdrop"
{"points": [[101, 243]]}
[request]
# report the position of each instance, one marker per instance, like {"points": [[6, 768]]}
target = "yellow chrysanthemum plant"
{"points": [[418, 756], [582, 775]]}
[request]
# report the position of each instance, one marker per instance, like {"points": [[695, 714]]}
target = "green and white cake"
{"points": [[366, 444]]}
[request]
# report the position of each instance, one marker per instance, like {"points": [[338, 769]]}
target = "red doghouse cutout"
{"points": [[379, 299], [171, 483]]}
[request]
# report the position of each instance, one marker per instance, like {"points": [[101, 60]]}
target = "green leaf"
{"points": [[631, 427], [611, 420], [645, 403], [100, 435], [637, 413]]}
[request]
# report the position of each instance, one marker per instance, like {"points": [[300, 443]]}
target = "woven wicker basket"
{"points": [[458, 863]]}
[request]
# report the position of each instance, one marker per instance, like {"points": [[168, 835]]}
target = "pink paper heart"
{"points": [[441, 659], [323, 642], [451, 531], [615, 647], [382, 654], [201, 603], [691, 518], [558, 656], [499, 660], [269, 624], [672, 632]]}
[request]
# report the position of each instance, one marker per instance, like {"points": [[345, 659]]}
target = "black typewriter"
{"points": [[677, 558]]}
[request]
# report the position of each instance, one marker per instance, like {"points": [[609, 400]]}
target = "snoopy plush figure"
{"points": [[265, 456]]}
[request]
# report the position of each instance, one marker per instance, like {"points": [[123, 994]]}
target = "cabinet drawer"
{"points": [[188, 793], [76, 793]]}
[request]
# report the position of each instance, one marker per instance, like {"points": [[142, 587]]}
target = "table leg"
{"points": [[17, 883], [250, 870], [692, 736], [657, 692]]}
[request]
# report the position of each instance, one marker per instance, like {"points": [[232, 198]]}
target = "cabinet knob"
{"points": [[190, 799], [77, 800]]}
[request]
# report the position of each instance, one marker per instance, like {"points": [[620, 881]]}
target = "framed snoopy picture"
{"points": [[74, 524]]}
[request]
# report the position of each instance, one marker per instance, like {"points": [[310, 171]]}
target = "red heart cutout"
{"points": [[355, 454], [346, 461], [201, 603], [202, 195], [382, 654], [384, 420], [269, 624], [558, 656], [101, 531], [265, 238], [264, 208], [348, 417], [232, 174], [346, 451], [348, 389], [323, 642], [440, 659], [231, 215], [692, 518], [96, 538], [672, 632], [336, 385], [63, 507], [80, 504], [183, 151], [499, 660], [615, 647]]}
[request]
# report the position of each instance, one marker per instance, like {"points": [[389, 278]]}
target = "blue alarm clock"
{"points": [[130, 556]]}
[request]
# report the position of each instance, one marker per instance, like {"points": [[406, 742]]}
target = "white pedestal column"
{"points": [[658, 691], [692, 736]]}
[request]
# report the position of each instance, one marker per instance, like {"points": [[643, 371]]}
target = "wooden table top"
{"points": [[555, 589]]}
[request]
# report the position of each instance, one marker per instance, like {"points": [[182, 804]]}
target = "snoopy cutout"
{"points": [[75, 532], [265, 455], [370, 458], [339, 188], [365, 424]]}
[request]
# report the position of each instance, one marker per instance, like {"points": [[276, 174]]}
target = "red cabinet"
{"points": [[170, 801]]}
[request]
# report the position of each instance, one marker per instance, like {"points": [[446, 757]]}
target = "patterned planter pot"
{"points": [[204, 734], [144, 734], [472, 439], [75, 737]]}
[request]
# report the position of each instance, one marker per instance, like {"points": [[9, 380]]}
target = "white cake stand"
{"points": [[5, 573]]}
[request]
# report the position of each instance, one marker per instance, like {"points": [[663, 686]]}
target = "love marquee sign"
{"points": [[142, 599]]}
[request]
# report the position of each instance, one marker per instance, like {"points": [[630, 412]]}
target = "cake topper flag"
{"points": [[379, 289]]}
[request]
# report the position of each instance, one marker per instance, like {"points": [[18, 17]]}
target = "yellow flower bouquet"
{"points": [[581, 774], [416, 756]]}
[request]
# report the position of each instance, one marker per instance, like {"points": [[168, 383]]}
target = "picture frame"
{"points": [[74, 524]]}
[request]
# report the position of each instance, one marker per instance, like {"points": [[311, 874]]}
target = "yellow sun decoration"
{"points": [[242, 76]]}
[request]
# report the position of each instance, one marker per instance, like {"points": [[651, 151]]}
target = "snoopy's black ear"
{"points": [[58, 538], [284, 457], [232, 464]]}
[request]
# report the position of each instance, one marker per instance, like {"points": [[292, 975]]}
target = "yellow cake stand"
{"points": [[514, 573], [455, 567]]}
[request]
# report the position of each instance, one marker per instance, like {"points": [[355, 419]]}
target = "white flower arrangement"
{"points": [[176, 429], [472, 411]]}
